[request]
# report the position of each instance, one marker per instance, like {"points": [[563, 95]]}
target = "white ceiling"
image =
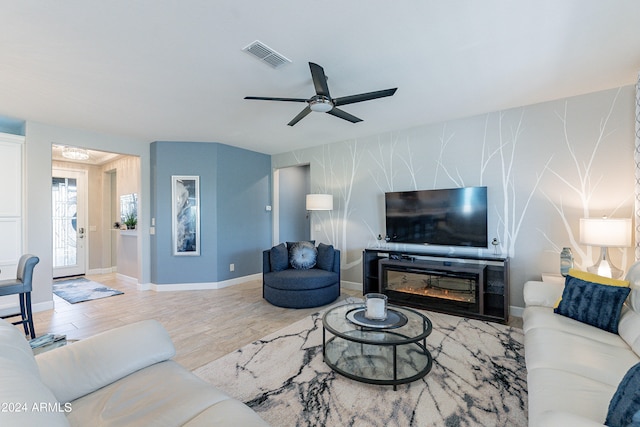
{"points": [[174, 70]]}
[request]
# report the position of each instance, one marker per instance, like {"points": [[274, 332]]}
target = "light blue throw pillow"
{"points": [[303, 255]]}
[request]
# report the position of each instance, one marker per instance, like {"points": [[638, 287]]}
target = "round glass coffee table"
{"points": [[387, 352]]}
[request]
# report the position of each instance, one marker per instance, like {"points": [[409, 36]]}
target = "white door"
{"points": [[68, 209]]}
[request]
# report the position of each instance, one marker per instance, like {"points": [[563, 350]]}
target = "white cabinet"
{"points": [[11, 211]]}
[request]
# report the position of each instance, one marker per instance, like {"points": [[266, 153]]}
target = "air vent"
{"points": [[266, 54]]}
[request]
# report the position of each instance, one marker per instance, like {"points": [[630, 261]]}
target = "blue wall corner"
{"points": [[235, 186]]}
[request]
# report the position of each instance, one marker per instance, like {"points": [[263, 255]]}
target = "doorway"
{"points": [[292, 184], [106, 176], [68, 207]]}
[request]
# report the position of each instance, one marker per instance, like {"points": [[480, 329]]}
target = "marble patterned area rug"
{"points": [[81, 289], [478, 378]]}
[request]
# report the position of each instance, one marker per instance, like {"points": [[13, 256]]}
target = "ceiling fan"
{"points": [[322, 101]]}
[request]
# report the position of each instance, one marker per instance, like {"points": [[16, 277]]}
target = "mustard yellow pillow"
{"points": [[591, 277], [594, 278]]}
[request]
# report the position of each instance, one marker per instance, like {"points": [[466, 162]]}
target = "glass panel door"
{"points": [[68, 223]]}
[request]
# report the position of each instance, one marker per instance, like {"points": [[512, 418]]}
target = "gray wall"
{"points": [[545, 166], [234, 224]]}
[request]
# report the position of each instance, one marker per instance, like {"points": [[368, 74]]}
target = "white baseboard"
{"points": [[516, 311], [127, 279], [354, 286], [199, 286], [105, 270], [12, 310]]}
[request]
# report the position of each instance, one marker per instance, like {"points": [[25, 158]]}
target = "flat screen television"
{"points": [[447, 217]]}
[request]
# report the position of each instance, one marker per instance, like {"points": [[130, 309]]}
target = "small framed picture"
{"points": [[185, 214]]}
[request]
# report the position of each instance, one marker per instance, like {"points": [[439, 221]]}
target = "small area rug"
{"points": [[81, 289], [478, 378]]}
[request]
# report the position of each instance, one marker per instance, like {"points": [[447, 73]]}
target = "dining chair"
{"points": [[22, 286]]}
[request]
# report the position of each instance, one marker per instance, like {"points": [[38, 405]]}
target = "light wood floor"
{"points": [[204, 325]]}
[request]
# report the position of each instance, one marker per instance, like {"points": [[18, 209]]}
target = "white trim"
{"points": [[199, 286], [9, 137], [14, 310], [516, 311], [129, 279], [275, 208], [354, 286], [42, 306], [104, 270]]}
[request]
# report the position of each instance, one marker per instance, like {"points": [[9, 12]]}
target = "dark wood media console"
{"points": [[476, 287]]}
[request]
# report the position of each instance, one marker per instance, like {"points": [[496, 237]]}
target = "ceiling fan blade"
{"points": [[300, 116], [364, 96], [343, 115], [319, 80], [276, 99]]}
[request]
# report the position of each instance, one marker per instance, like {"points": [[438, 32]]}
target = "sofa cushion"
{"points": [[326, 254], [592, 303], [581, 355], [626, 400], [70, 371], [228, 412], [629, 328], [544, 294], [162, 394], [552, 390], [26, 400], [633, 276], [15, 347], [543, 317], [279, 257], [299, 280], [302, 255]]}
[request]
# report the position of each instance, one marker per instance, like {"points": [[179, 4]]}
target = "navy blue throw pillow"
{"points": [[592, 303], [326, 253], [625, 403], [279, 258], [302, 255]]}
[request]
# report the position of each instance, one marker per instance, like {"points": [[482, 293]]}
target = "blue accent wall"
{"points": [[235, 186], [12, 126]]}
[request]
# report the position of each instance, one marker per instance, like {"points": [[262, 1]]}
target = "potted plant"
{"points": [[130, 221]]}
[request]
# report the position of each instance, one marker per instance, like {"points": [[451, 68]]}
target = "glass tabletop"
{"points": [[417, 326]]}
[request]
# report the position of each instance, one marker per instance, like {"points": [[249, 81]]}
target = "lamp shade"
{"points": [[605, 232], [319, 202]]}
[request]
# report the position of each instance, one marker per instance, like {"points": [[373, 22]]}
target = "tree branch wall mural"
{"points": [[543, 171]]}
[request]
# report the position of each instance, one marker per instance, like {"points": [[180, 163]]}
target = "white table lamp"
{"points": [[606, 233]]}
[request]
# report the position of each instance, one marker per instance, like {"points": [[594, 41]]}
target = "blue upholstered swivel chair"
{"points": [[22, 286]]}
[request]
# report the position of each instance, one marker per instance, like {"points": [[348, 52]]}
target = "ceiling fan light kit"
{"points": [[322, 102]]}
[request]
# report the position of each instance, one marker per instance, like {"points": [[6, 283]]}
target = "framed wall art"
{"points": [[185, 214]]}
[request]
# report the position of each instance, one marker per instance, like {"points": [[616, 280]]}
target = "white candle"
{"points": [[375, 308]]}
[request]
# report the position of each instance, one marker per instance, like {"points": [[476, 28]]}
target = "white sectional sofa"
{"points": [[574, 369], [123, 377]]}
